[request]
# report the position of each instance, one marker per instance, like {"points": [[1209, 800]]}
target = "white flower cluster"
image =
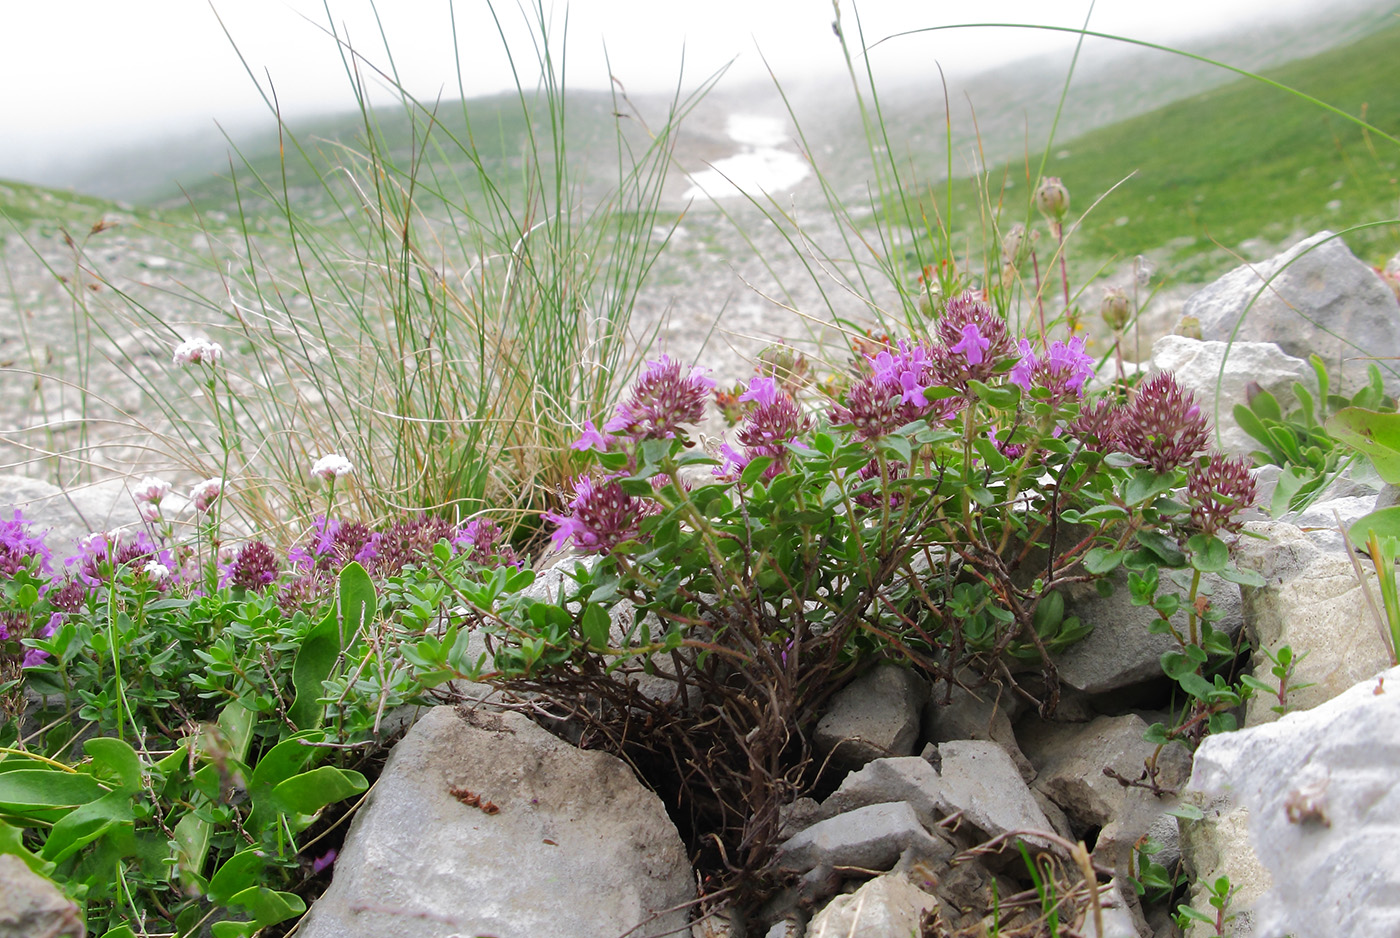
{"points": [[197, 351], [332, 466], [206, 493], [147, 496]]}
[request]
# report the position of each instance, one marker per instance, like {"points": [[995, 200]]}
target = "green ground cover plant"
{"points": [[211, 705]]}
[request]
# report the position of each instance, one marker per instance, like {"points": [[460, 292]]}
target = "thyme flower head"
{"points": [[601, 516], [254, 567], [973, 340], [1063, 370], [1164, 427], [662, 399], [1100, 425], [774, 421], [1218, 490], [20, 547], [893, 392]]}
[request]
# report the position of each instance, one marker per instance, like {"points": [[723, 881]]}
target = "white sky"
{"points": [[80, 76]]}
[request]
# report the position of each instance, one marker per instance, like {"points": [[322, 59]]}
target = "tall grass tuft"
{"points": [[443, 301]]}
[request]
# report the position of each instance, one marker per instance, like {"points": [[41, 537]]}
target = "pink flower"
{"points": [[1164, 426], [1063, 370], [601, 516], [972, 345], [766, 430], [1218, 491], [662, 400], [206, 493], [591, 438]]}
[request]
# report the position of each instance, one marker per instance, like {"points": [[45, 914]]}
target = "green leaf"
{"points": [[1004, 397], [1145, 484], [278, 764], [267, 907], [121, 931], [1290, 481], [311, 791], [314, 661], [1305, 398], [1161, 545], [27, 595], [358, 604], [1385, 523], [1266, 406], [1242, 577], [26, 791], [898, 447], [1049, 613], [12, 843], [84, 824], [754, 470], [236, 874], [1101, 560], [1371, 432], [596, 626], [1208, 553], [116, 762]]}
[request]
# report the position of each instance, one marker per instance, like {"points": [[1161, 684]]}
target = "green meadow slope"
{"points": [[1246, 160]]}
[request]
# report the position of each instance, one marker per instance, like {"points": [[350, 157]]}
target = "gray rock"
{"points": [[955, 713], [870, 838], [876, 715], [1320, 518], [578, 846], [1071, 759], [1323, 300], [1312, 602], [979, 779], [1219, 373], [33, 907], [888, 906], [1312, 800], [909, 779], [1121, 650]]}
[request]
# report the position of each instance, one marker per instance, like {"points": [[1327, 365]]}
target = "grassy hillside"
{"points": [[1241, 161], [22, 204], [434, 146]]}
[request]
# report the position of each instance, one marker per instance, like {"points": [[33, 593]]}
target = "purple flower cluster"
{"points": [[254, 567], [332, 544], [20, 548], [1217, 490], [662, 399], [1100, 425], [601, 516], [892, 393], [973, 342], [484, 542], [1063, 370], [774, 421], [1164, 426], [871, 470], [101, 555]]}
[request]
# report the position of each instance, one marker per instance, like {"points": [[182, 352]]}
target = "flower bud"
{"points": [[1013, 245], [1052, 198], [1115, 309]]}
